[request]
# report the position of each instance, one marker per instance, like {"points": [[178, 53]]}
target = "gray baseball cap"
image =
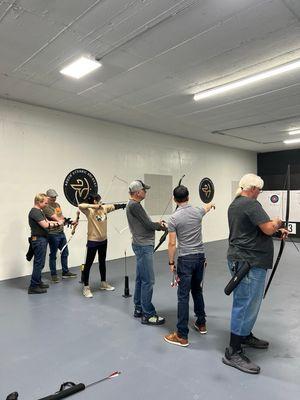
{"points": [[137, 185], [51, 193]]}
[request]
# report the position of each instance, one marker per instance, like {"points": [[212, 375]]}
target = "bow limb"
{"points": [[76, 222], [115, 177], [161, 240], [287, 216], [165, 234]]}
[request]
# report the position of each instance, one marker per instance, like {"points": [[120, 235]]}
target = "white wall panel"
{"points": [[39, 147]]}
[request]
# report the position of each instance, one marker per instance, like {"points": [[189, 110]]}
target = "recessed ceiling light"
{"points": [[294, 132], [291, 141], [248, 80], [80, 67]]}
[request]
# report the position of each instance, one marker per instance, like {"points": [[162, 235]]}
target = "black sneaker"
{"points": [[154, 320], [252, 341], [54, 279], [137, 313], [43, 285], [36, 290], [240, 361], [66, 275], [12, 396]]}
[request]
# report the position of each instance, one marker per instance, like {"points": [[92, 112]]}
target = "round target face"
{"points": [[206, 190], [78, 184], [274, 198]]}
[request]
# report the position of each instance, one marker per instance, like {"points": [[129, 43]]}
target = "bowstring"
{"points": [[180, 173], [106, 193]]}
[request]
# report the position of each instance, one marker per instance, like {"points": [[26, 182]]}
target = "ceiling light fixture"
{"points": [[247, 81], [294, 132], [291, 141], [80, 67]]}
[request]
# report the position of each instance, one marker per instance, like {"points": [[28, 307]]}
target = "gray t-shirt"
{"points": [[34, 217], [247, 242], [187, 223], [140, 224]]}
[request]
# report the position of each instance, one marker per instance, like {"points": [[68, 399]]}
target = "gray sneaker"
{"points": [[240, 361], [43, 285]]}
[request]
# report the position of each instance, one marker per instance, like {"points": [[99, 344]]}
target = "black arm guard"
{"points": [[118, 206]]}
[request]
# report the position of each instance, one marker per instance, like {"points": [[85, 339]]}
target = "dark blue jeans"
{"points": [[190, 272], [39, 245], [144, 280], [57, 241]]}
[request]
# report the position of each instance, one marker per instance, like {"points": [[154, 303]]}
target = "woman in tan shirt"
{"points": [[96, 214]]}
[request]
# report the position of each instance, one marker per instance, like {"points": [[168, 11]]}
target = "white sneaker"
{"points": [[87, 291], [106, 286]]}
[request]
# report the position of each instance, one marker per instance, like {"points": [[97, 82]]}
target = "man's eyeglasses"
{"points": [[259, 189]]}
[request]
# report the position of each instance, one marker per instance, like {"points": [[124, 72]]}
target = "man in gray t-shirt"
{"points": [[185, 225], [143, 234]]}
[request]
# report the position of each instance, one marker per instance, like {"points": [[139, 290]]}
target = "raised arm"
{"points": [[208, 207]]}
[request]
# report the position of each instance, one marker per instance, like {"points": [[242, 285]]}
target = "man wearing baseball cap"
{"points": [[143, 230], [57, 238]]}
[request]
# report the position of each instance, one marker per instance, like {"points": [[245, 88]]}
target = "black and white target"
{"points": [[206, 190], [78, 184]]}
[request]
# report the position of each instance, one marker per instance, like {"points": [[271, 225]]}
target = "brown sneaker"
{"points": [[173, 338], [201, 328]]}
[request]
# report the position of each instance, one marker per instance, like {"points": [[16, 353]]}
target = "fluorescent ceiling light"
{"points": [[295, 132], [291, 141], [80, 67], [247, 81]]}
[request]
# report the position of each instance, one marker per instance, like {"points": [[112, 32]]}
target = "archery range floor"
{"points": [[61, 336]]}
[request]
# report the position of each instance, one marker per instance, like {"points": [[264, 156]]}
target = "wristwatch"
{"points": [[171, 263]]}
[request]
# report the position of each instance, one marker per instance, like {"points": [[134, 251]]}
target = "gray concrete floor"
{"points": [[62, 336]]}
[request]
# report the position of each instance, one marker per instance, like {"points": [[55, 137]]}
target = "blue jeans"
{"points": [[144, 280], [190, 273], [57, 241], [39, 245], [247, 298]]}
